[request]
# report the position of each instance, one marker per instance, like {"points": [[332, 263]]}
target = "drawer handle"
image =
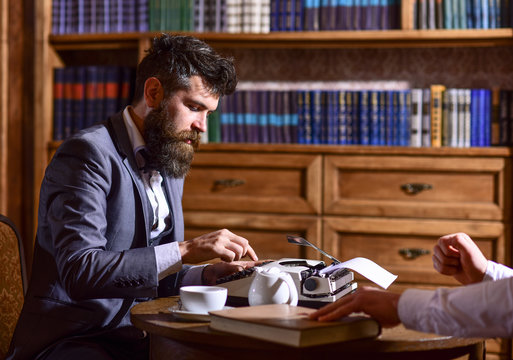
{"points": [[415, 188], [227, 183], [412, 254]]}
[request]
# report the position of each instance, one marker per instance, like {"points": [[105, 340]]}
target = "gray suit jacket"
{"points": [[93, 256]]}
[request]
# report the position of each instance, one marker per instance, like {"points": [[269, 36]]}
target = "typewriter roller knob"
{"points": [[310, 284]]}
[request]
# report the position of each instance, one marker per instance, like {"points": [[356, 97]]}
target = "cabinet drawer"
{"points": [[266, 233], [425, 187], [280, 183], [389, 243]]}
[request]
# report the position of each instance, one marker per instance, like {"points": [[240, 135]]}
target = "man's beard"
{"points": [[167, 149]]}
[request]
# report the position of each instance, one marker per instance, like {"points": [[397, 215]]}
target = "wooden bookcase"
{"points": [[335, 196]]}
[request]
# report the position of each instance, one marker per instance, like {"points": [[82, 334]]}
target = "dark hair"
{"points": [[174, 59]]}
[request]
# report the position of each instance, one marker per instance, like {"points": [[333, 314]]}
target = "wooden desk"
{"points": [[170, 338]]}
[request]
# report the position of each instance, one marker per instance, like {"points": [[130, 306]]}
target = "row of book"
{"points": [[461, 14], [233, 16], [85, 95], [99, 16], [430, 117]]}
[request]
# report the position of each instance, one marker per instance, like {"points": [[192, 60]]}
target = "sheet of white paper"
{"points": [[367, 268]]}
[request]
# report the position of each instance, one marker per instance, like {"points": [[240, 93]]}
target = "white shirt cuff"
{"points": [[169, 259]]}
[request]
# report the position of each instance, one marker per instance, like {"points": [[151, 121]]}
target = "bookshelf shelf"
{"points": [[302, 40]]}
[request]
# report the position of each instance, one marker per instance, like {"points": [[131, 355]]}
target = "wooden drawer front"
{"points": [[254, 183], [387, 241], [266, 234], [456, 188]]}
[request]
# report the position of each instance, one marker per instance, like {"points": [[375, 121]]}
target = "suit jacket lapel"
{"points": [[122, 142]]}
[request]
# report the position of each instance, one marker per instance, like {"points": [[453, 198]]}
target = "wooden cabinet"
{"points": [[386, 204]]}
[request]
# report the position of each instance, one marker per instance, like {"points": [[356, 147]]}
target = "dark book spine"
{"points": [[342, 117], [475, 117], [294, 116], [56, 4], [373, 117], [263, 116], [78, 99], [287, 126], [58, 103], [142, 15], [91, 96], [69, 75], [111, 102]]}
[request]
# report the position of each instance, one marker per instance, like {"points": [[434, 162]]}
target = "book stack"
{"points": [[99, 16], [85, 95], [460, 14]]}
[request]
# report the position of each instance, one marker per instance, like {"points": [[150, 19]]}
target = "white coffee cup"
{"points": [[202, 299]]}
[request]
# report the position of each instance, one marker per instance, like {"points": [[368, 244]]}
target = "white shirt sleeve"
{"points": [[169, 261], [484, 309]]}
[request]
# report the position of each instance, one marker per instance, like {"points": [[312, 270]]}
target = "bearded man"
{"points": [[110, 224]]}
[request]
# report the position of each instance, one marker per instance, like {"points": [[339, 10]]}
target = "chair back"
{"points": [[13, 281]]}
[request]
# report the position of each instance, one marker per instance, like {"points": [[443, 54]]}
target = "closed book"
{"points": [[111, 100], [426, 117], [416, 118], [436, 114], [341, 122], [453, 117], [214, 127], [504, 124], [91, 96], [289, 325], [494, 120], [142, 15], [263, 116], [374, 126], [475, 117], [78, 102], [446, 130], [58, 103], [404, 125]]}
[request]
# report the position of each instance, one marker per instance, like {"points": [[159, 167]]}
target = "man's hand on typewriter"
{"points": [[379, 304], [221, 269], [221, 244]]}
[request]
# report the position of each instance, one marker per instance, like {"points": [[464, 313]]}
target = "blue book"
{"points": [[111, 98], [224, 109], [311, 15], [476, 119], [262, 116], [470, 14], [239, 110], [364, 117], [354, 118], [298, 15], [69, 76], [485, 14], [275, 15], [56, 8], [58, 103], [287, 119], [374, 126], [341, 116], [389, 118], [301, 125], [316, 116], [79, 80], [91, 95], [142, 15], [279, 120], [382, 112], [127, 15], [294, 117], [404, 123], [273, 117], [448, 16], [486, 114], [504, 100], [331, 117]]}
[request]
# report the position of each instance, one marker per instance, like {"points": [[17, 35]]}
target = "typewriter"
{"points": [[315, 288]]}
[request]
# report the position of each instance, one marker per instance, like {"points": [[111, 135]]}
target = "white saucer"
{"points": [[191, 315]]}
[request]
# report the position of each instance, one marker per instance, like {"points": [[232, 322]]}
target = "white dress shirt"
{"points": [[483, 310], [169, 259]]}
